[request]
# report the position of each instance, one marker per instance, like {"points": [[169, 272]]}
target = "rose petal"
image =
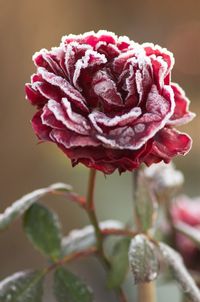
{"points": [[99, 119], [105, 88], [44, 59], [75, 97], [169, 143], [90, 59], [42, 131], [159, 110], [33, 96], [71, 120], [181, 114], [69, 139]]}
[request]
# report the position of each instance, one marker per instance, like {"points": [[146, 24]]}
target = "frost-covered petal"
{"points": [[73, 94], [100, 120], [73, 52], [42, 131], [69, 139], [156, 50], [169, 143], [159, 110], [90, 59], [64, 115], [105, 88], [33, 96], [181, 114], [44, 59]]}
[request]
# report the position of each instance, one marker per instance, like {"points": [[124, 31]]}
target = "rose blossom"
{"points": [[108, 102], [187, 211]]}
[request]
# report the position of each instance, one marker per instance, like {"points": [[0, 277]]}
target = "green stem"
{"points": [[90, 208], [146, 291]]}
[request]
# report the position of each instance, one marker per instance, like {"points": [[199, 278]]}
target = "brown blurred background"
{"points": [[25, 27]]}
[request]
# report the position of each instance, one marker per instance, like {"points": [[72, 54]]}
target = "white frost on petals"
{"points": [[151, 122], [183, 120], [162, 51], [103, 119], [139, 84], [75, 117], [64, 85], [156, 103], [91, 58], [70, 140], [74, 122], [105, 88]]}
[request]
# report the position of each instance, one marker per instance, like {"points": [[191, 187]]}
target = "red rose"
{"points": [[187, 210], [108, 102]]}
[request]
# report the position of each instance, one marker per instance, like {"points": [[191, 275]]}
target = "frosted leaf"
{"points": [[175, 262], [145, 204], [69, 287], [143, 260], [21, 205], [22, 287], [81, 239]]}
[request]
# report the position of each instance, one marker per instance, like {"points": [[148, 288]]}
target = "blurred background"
{"points": [[27, 26]]}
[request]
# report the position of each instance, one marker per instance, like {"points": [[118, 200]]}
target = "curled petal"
{"points": [[159, 110], [73, 94], [181, 114], [105, 88], [167, 144], [42, 131], [62, 113], [33, 96], [90, 59], [100, 120], [69, 139]]}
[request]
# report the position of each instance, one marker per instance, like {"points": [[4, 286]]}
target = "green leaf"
{"points": [[145, 204], [69, 288], [175, 263], [119, 263], [21, 205], [22, 287], [189, 231], [143, 259], [82, 239], [43, 229]]}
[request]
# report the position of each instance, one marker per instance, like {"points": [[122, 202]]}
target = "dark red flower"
{"points": [[108, 102], [187, 211]]}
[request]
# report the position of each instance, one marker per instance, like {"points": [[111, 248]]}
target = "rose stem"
{"points": [[90, 208], [146, 291]]}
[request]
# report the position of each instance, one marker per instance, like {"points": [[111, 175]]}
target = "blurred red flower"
{"points": [[187, 211], [108, 102]]}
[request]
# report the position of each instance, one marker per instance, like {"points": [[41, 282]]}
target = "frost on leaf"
{"points": [[143, 260], [22, 287]]}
